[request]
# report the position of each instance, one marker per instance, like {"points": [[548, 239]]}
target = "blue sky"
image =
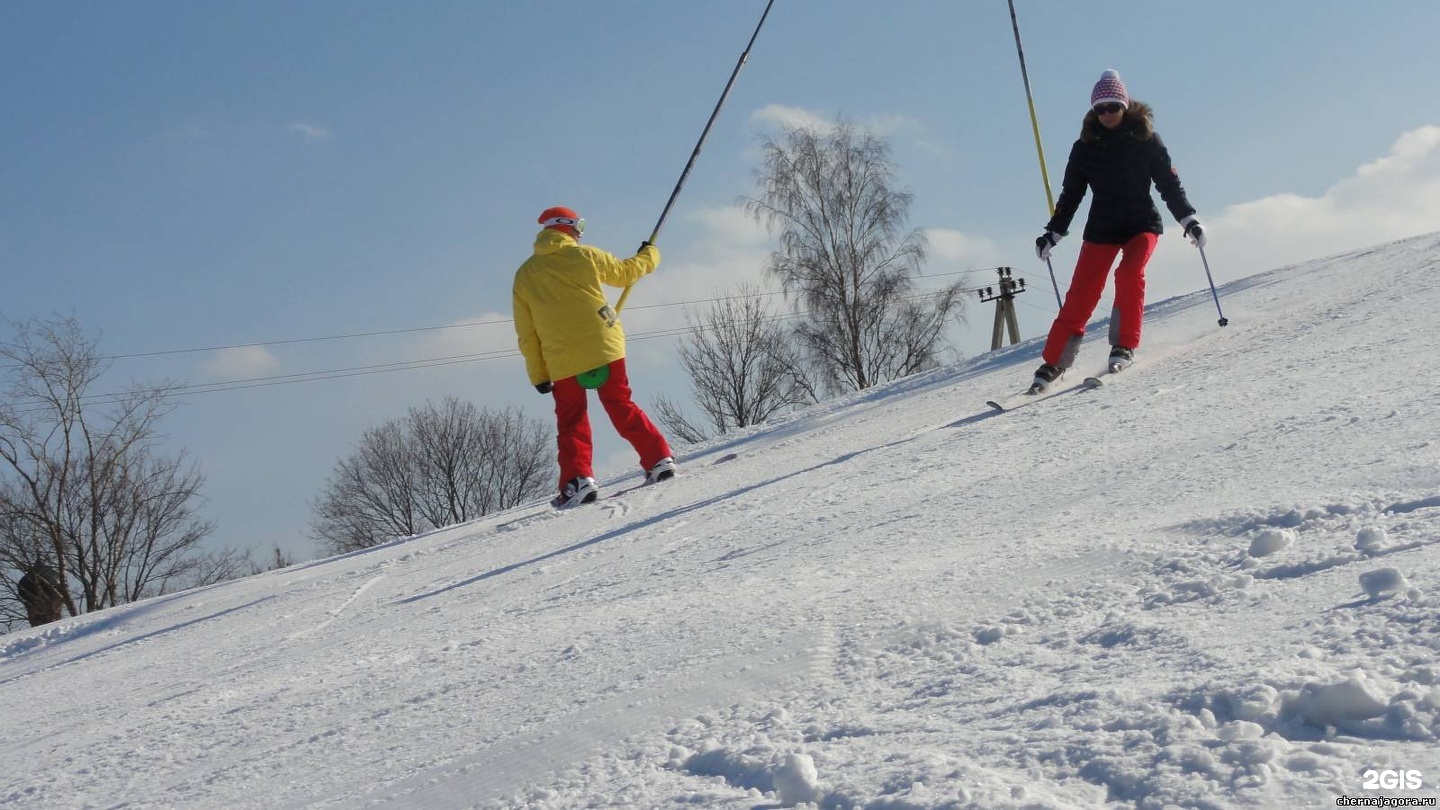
{"points": [[182, 175]]}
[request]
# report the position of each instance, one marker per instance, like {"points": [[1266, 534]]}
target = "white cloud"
{"points": [[729, 227], [474, 358], [781, 115], [878, 125], [488, 332], [1395, 196], [311, 132], [241, 363], [728, 248], [886, 125], [957, 250]]}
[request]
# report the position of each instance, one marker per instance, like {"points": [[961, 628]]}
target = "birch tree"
{"points": [[845, 260]]}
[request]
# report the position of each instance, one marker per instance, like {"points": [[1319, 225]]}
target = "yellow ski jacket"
{"points": [[563, 321]]}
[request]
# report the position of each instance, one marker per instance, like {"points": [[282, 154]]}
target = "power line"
{"points": [[319, 339], [359, 371], [410, 365], [461, 325]]}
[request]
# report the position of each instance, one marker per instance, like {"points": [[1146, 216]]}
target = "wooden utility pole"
{"points": [[1004, 306]]}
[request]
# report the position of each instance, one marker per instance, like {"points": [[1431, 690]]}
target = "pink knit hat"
{"points": [[1109, 89]]}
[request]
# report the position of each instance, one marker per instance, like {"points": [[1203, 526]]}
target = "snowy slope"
{"points": [[1215, 583]]}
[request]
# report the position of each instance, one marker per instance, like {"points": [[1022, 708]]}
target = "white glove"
{"points": [[1193, 231], [1045, 242]]}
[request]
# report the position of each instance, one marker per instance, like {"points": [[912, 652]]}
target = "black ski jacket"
{"points": [[1119, 165]]}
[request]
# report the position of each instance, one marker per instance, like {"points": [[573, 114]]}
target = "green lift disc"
{"points": [[594, 378]]}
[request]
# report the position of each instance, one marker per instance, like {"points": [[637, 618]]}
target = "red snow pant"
{"points": [[572, 424], [1091, 271]]}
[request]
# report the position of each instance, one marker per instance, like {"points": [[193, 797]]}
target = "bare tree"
{"points": [[844, 255], [439, 465], [742, 368], [84, 489], [371, 495], [516, 460], [222, 565], [278, 559], [678, 424]]}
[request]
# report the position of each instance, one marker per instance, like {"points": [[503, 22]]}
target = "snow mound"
{"points": [[1383, 582], [1271, 541]]}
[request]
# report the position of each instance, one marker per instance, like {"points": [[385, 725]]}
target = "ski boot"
{"points": [[1044, 377]]}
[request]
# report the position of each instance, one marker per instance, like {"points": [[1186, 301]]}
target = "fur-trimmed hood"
{"points": [[1138, 124]]}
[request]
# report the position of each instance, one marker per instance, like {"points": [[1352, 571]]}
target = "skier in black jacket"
{"points": [[1118, 156]]}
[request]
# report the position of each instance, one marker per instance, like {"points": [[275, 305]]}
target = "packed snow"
{"points": [[1213, 583]]}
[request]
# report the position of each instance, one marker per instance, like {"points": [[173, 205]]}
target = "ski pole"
{"points": [[1039, 149], [698, 144], [1055, 284], [1224, 321]]}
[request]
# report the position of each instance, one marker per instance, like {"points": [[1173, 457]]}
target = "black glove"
{"points": [[545, 387], [643, 245], [1193, 230], [1044, 242]]}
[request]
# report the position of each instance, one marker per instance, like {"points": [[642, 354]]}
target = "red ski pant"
{"points": [[572, 424], [1091, 271]]}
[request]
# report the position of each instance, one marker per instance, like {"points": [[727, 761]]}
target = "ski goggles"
{"points": [[1106, 109], [577, 224]]}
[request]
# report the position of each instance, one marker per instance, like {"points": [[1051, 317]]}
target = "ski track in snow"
{"points": [[335, 614], [490, 775], [531, 756]]}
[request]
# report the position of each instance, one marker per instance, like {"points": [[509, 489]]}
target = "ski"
{"points": [[1022, 398], [601, 496], [618, 493], [1100, 379], [643, 484]]}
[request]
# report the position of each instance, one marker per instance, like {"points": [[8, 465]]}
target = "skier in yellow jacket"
{"points": [[572, 340]]}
